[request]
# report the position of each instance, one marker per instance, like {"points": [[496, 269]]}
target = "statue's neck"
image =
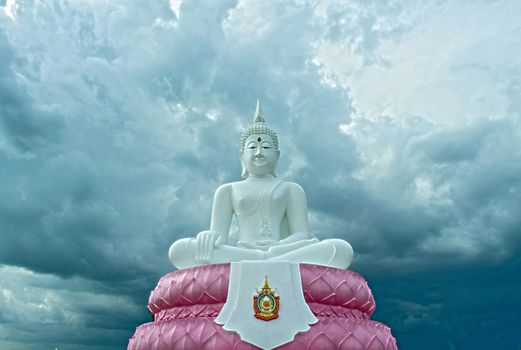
{"points": [[267, 178]]}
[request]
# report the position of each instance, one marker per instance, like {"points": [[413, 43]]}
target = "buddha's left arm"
{"points": [[297, 214], [222, 212]]}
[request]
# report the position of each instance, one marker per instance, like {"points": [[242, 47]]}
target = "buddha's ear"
{"points": [[274, 172], [244, 171]]}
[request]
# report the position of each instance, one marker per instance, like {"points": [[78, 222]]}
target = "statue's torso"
{"points": [[260, 208]]}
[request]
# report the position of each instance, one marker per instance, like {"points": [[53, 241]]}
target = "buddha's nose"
{"points": [[258, 151]]}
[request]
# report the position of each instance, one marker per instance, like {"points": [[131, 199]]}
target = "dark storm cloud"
{"points": [[22, 124], [442, 195], [475, 307]]}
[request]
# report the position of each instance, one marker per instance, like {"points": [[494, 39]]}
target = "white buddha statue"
{"points": [[272, 215]]}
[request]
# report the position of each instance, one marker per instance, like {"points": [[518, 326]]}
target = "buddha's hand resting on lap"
{"points": [[205, 243], [263, 244]]}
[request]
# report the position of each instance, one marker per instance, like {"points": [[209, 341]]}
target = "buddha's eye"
{"points": [[266, 145]]}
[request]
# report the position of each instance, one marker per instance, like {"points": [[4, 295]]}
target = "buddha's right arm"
{"points": [[222, 212]]}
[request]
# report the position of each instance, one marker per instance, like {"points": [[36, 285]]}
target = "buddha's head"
{"points": [[259, 148]]}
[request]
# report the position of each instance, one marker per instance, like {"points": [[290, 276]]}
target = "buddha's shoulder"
{"points": [[293, 187], [228, 187], [292, 184], [224, 189]]}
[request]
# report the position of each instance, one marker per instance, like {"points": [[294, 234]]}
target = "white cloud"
{"points": [[448, 62], [9, 8]]}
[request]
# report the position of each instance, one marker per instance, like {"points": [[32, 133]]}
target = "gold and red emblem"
{"points": [[266, 303]]}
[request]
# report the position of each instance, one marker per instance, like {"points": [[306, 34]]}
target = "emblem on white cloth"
{"points": [[286, 285], [266, 303]]}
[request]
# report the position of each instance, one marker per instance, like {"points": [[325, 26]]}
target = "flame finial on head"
{"points": [[258, 118]]}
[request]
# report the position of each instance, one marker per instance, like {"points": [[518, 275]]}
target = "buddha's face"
{"points": [[260, 156]]}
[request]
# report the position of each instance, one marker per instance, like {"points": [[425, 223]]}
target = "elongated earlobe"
{"points": [[244, 171], [274, 172]]}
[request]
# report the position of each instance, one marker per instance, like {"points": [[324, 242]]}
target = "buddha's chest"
{"points": [[259, 199]]}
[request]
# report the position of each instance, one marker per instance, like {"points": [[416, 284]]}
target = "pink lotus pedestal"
{"points": [[186, 302]]}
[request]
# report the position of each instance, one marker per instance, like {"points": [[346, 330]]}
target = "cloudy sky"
{"points": [[401, 119]]}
